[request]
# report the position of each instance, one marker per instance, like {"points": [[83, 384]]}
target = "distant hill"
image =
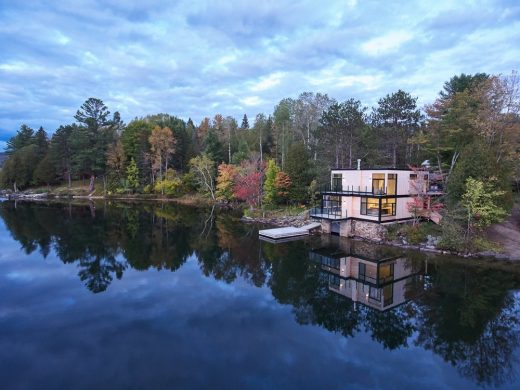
{"points": [[3, 157]]}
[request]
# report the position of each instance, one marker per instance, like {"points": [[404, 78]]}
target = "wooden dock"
{"points": [[288, 232]]}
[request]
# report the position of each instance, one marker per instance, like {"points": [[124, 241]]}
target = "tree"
{"points": [[340, 130], [213, 147], [60, 151], [92, 138], [24, 137], [243, 152], [271, 173], [461, 83], [116, 161], [180, 158], [18, 169], [245, 123], [422, 205], [162, 147], [93, 114], [282, 185], [482, 204], [299, 169], [203, 168], [282, 128], [132, 175], [227, 174], [45, 171], [397, 117], [42, 143], [135, 138], [248, 185], [477, 160], [308, 110]]}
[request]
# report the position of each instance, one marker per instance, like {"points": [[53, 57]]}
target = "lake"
{"points": [[148, 295]]}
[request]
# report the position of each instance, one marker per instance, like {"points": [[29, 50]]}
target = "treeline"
{"points": [[471, 130]]}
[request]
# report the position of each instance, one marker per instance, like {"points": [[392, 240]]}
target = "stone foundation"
{"points": [[325, 226], [352, 228], [369, 230]]}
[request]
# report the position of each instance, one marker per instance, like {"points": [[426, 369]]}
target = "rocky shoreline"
{"points": [[429, 246]]}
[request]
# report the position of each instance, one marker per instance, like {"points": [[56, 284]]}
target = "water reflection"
{"points": [[382, 282], [465, 313]]}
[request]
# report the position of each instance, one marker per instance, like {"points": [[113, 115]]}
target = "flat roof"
{"points": [[374, 169]]}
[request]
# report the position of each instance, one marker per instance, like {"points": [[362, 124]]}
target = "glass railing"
{"points": [[332, 212], [352, 190]]}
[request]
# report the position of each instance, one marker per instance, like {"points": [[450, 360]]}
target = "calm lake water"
{"points": [[165, 296]]}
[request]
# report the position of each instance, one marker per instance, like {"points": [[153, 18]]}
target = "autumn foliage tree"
{"points": [[269, 184], [162, 146], [282, 185], [248, 185], [227, 174]]}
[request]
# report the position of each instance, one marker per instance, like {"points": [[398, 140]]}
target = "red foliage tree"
{"points": [[248, 183], [248, 187]]}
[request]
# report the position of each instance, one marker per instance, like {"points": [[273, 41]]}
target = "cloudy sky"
{"points": [[198, 58]]}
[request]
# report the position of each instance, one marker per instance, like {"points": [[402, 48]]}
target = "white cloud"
{"points": [[17, 67], [386, 43], [268, 82], [60, 38], [195, 59], [251, 101]]}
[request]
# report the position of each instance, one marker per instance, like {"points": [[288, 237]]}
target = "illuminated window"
{"points": [[370, 206], [388, 207], [392, 184], [378, 183]]}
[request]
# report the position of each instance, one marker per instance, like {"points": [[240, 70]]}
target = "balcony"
{"points": [[327, 212], [333, 189]]}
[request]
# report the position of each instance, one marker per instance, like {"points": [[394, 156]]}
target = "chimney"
{"points": [[358, 164]]}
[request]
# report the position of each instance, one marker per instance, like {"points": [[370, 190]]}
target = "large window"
{"points": [[386, 273], [369, 206], [378, 183], [388, 207], [337, 184], [392, 184]]}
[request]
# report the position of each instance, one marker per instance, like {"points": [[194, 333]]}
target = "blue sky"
{"points": [[199, 58]]}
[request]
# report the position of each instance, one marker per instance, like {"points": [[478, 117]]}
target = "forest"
{"points": [[469, 134]]}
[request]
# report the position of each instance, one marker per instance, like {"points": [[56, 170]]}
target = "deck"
{"points": [[288, 232]]}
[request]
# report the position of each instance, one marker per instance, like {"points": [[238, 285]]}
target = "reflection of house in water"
{"points": [[380, 283]]}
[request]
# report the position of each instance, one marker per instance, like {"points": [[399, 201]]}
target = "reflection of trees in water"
{"points": [[463, 313], [97, 272], [94, 237], [468, 316]]}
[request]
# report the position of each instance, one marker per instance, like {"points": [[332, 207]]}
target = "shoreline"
{"points": [[275, 221], [283, 222]]}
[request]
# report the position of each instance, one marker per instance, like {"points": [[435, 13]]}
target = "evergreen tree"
{"points": [[93, 136], [245, 123], [213, 147], [60, 151], [242, 153], [42, 143], [397, 118], [24, 137], [45, 171], [299, 169]]}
